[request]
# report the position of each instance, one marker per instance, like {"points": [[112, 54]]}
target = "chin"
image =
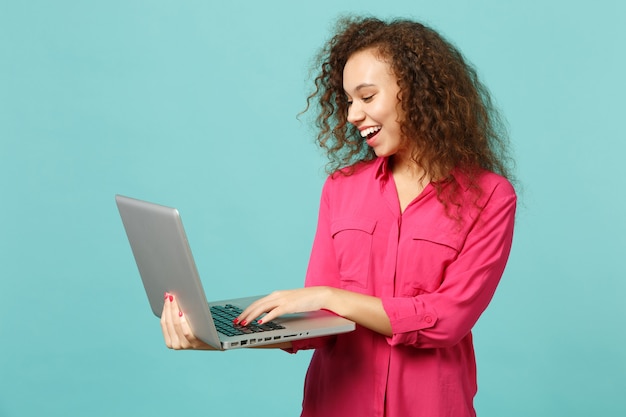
{"points": [[383, 153]]}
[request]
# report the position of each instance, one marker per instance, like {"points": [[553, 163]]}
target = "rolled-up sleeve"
{"points": [[444, 316]]}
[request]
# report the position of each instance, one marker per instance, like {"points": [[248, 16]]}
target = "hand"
{"points": [[176, 330], [285, 302], [365, 310]]}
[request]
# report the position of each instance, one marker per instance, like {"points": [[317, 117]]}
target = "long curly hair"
{"points": [[448, 113]]}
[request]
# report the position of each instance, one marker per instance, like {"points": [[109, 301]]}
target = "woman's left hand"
{"points": [[285, 302]]}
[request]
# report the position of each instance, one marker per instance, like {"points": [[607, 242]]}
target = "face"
{"points": [[374, 108]]}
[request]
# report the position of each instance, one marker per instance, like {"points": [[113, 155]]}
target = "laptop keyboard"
{"points": [[223, 317]]}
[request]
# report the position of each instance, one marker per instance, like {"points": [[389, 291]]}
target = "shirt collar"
{"points": [[383, 171], [461, 178], [382, 168]]}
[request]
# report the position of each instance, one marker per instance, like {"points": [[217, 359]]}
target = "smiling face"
{"points": [[374, 108]]}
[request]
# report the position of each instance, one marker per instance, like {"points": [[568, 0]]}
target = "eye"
{"points": [[368, 98]]}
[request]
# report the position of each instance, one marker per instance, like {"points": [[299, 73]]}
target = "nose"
{"points": [[355, 113]]}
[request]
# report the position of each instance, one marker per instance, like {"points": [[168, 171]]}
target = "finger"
{"points": [[165, 326], [170, 319], [271, 315], [179, 340], [187, 335], [284, 302], [247, 314], [169, 322], [257, 309], [268, 314], [273, 305]]}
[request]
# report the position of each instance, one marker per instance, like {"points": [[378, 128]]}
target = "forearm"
{"points": [[365, 310]]}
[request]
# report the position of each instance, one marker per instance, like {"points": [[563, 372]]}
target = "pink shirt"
{"points": [[435, 277]]}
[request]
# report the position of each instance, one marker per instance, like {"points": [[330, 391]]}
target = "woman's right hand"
{"points": [[176, 330]]}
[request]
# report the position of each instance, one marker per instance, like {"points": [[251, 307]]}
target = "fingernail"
{"points": [[180, 314], [165, 295], [244, 323], [171, 298], [260, 321], [236, 321]]}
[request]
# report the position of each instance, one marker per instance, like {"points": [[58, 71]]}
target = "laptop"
{"points": [[163, 256]]}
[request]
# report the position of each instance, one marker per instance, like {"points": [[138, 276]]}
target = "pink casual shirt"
{"points": [[435, 277]]}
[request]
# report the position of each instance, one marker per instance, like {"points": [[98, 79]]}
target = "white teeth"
{"points": [[370, 130]]}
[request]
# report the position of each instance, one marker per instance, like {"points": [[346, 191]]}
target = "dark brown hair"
{"points": [[448, 112]]}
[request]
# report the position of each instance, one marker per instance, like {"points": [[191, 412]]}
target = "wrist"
{"points": [[332, 300]]}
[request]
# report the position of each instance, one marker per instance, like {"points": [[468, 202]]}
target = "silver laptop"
{"points": [[163, 256]]}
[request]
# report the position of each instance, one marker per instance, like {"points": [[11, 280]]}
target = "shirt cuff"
{"points": [[407, 317]]}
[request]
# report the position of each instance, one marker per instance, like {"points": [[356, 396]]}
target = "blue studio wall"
{"points": [[194, 104]]}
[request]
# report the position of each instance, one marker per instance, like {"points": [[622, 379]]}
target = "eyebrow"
{"points": [[362, 86]]}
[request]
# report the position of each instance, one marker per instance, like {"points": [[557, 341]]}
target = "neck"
{"points": [[406, 167], [410, 180]]}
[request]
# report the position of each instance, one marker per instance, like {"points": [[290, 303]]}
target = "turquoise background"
{"points": [[194, 104]]}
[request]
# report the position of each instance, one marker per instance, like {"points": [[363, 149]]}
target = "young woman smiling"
{"points": [[414, 231]]}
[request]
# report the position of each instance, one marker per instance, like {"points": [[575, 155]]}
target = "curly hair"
{"points": [[448, 113]]}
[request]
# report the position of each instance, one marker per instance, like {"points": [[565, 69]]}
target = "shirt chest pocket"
{"points": [[428, 254], [352, 240]]}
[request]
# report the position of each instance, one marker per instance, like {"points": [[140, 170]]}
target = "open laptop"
{"points": [[163, 256]]}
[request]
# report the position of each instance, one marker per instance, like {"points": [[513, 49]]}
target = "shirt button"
{"points": [[428, 319]]}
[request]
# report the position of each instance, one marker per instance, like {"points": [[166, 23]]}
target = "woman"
{"points": [[414, 231]]}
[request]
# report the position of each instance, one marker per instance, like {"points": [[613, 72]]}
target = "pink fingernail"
{"points": [[236, 321], [171, 298], [165, 295], [244, 323], [180, 314], [260, 321]]}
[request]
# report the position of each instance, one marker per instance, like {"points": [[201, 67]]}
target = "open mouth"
{"points": [[370, 132]]}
